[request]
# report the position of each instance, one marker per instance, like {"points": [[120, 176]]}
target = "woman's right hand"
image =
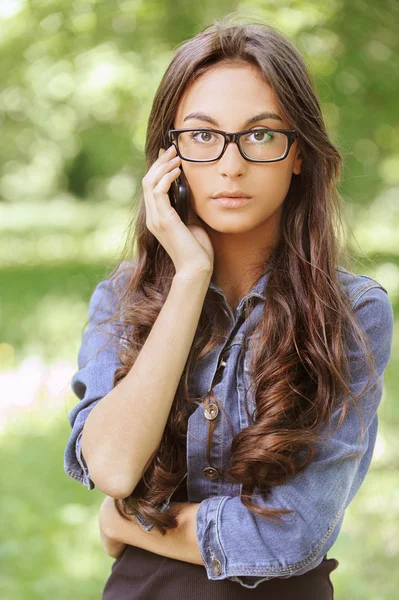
{"points": [[189, 246]]}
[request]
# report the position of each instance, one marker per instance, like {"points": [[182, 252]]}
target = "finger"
{"points": [[160, 167], [163, 168], [146, 196], [162, 203], [165, 155], [152, 178]]}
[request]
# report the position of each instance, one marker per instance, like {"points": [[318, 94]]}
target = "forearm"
{"points": [[179, 544], [121, 433]]}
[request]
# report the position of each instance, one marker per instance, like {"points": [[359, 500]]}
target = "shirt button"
{"points": [[216, 566], [210, 473], [211, 411]]}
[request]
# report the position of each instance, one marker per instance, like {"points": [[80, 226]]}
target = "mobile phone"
{"points": [[181, 197]]}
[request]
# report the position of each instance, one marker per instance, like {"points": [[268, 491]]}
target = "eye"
{"points": [[198, 136], [260, 135]]}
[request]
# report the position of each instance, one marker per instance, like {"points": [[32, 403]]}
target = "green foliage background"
{"points": [[76, 84]]}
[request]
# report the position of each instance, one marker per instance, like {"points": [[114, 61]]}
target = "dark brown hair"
{"points": [[299, 370]]}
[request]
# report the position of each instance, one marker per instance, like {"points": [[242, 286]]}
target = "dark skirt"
{"points": [[141, 575]]}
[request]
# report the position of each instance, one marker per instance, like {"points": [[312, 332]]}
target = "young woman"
{"points": [[231, 373]]}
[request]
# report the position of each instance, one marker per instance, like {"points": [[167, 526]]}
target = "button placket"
{"points": [[211, 411], [204, 467]]}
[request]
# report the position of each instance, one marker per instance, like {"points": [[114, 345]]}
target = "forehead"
{"points": [[229, 92]]}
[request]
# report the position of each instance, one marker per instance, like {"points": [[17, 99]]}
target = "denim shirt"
{"points": [[234, 542]]}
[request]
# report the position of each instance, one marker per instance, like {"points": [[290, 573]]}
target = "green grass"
{"points": [[45, 307], [50, 546], [49, 539]]}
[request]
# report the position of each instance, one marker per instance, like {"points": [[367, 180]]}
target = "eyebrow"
{"points": [[202, 117]]}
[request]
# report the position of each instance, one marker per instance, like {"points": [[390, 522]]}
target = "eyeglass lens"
{"points": [[260, 144]]}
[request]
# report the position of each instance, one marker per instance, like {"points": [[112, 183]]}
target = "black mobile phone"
{"points": [[181, 199]]}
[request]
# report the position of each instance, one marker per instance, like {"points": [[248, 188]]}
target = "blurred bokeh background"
{"points": [[76, 84]]}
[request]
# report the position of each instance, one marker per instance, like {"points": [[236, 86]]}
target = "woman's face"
{"points": [[230, 94]]}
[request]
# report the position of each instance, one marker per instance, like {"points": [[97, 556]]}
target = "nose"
{"points": [[232, 163]]}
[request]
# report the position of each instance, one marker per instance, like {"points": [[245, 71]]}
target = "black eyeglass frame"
{"points": [[291, 135]]}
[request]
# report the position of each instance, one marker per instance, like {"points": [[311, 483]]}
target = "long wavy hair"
{"points": [[299, 370]]}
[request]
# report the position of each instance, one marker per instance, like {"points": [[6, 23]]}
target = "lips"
{"points": [[231, 194], [230, 202]]}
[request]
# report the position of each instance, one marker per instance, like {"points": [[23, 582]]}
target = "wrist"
{"points": [[194, 274], [189, 278]]}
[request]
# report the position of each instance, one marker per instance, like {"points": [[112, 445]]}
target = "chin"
{"points": [[230, 226]]}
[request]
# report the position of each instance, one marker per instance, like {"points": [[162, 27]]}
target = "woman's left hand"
{"points": [[112, 546]]}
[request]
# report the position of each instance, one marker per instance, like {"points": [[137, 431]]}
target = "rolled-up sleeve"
{"points": [[237, 544], [97, 363]]}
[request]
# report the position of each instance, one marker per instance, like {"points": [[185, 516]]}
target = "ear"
{"points": [[296, 168]]}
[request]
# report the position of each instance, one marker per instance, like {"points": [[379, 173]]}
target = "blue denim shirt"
{"points": [[234, 542]]}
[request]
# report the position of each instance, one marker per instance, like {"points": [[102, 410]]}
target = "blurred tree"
{"points": [[78, 78]]}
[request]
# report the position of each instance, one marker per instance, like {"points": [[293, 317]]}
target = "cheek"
{"points": [[193, 181], [273, 182], [197, 192]]}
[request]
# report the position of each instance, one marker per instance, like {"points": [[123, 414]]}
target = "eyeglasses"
{"points": [[256, 145]]}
